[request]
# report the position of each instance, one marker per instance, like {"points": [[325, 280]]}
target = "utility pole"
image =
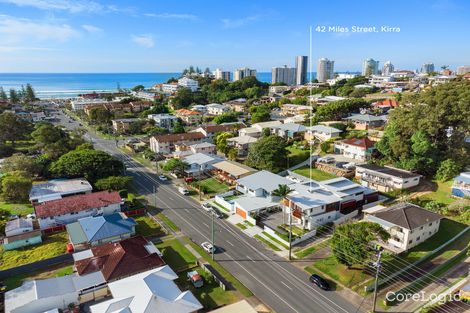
{"points": [[155, 195], [213, 243], [378, 266], [290, 233]]}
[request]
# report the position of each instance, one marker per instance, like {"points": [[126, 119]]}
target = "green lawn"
{"points": [[17, 208], [211, 295], [300, 254], [147, 227], [316, 174], [16, 281], [267, 243], [176, 255], [276, 240], [211, 186], [442, 194], [241, 226], [229, 277], [52, 246], [339, 272], [167, 222], [297, 155]]}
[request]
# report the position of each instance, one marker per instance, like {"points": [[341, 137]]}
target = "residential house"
{"points": [[200, 163], [117, 260], [289, 109], [70, 209], [295, 119], [200, 108], [321, 132], [367, 121], [210, 131], [170, 88], [163, 120], [96, 230], [216, 109], [203, 147], [58, 188], [385, 105], [149, 95], [289, 131], [139, 106], [80, 103], [151, 291], [461, 186], [324, 100], [123, 125], [354, 148], [237, 105], [20, 233], [279, 89], [241, 144], [386, 178], [230, 171], [316, 203], [408, 225], [166, 143], [256, 129], [190, 117], [188, 83]]}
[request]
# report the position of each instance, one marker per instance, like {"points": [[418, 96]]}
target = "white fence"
{"points": [[219, 199], [295, 241], [346, 217]]}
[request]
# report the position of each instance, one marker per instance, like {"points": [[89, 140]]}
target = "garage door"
{"points": [[240, 212]]}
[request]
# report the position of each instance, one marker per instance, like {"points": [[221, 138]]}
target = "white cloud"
{"points": [[91, 28], [17, 29], [181, 16], [73, 6], [144, 40]]}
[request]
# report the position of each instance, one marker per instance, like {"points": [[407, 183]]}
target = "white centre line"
{"points": [[286, 285], [229, 243], [249, 257]]}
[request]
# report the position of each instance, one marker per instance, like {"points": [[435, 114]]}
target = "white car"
{"points": [[208, 247], [162, 178], [183, 191], [206, 206]]}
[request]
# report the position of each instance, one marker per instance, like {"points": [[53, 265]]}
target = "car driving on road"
{"points": [[162, 177], [320, 282], [208, 247]]}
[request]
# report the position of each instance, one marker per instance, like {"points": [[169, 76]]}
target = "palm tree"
{"points": [[282, 191]]}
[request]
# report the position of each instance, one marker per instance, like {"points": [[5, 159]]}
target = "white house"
{"points": [[256, 129], [216, 109], [407, 224], [58, 188], [71, 209], [163, 120], [81, 103], [150, 291], [354, 148], [18, 226], [321, 132], [199, 163], [289, 130], [170, 88], [385, 178], [188, 83], [241, 143], [167, 143]]}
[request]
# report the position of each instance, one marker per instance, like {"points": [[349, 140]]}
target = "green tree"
{"points": [[261, 116], [174, 165], [115, 183], [351, 242], [12, 128], [220, 141], [226, 118], [30, 95], [100, 115], [92, 164], [178, 128], [182, 99], [268, 153], [339, 109], [447, 170], [16, 187], [14, 98], [22, 163], [138, 88], [3, 95]]}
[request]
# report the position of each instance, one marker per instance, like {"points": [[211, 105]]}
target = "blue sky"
{"points": [[166, 36]]}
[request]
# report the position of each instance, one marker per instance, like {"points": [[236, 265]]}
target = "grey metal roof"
{"points": [[265, 180], [367, 117], [293, 127], [388, 170], [324, 129], [408, 216]]}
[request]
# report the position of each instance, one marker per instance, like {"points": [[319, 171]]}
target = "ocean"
{"points": [[66, 85]]}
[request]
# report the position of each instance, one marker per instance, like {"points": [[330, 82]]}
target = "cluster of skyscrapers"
{"points": [[237, 75], [291, 75]]}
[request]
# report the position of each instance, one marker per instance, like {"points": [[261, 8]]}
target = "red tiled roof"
{"points": [[220, 128], [179, 137], [364, 143], [387, 103], [187, 112], [77, 203], [120, 259]]}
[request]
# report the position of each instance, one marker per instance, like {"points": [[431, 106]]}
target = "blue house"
{"points": [[461, 186], [96, 230]]}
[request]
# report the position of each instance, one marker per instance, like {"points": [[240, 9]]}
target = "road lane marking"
{"points": [[229, 243], [286, 285]]}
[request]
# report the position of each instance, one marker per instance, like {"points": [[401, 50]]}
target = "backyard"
{"points": [[442, 194], [210, 186], [297, 155], [52, 246], [17, 208], [13, 282], [316, 174], [147, 227], [177, 255]]}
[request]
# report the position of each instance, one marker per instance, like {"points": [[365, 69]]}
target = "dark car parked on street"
{"points": [[320, 282]]}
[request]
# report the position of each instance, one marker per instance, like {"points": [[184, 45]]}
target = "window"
{"points": [[410, 241], [417, 239], [430, 224], [421, 228]]}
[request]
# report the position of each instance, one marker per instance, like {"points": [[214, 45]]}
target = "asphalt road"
{"points": [[276, 282]]}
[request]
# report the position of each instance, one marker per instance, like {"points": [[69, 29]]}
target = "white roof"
{"points": [[202, 145], [265, 180], [243, 139], [237, 307], [55, 189], [200, 158], [268, 124], [252, 203], [250, 130], [324, 129], [150, 291]]}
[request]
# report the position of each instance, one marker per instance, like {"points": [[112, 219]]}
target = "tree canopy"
{"points": [[268, 153], [336, 110]]}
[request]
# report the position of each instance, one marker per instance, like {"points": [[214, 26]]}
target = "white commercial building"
{"points": [[243, 72], [388, 68], [188, 83], [325, 70], [219, 74], [370, 67], [286, 75]]}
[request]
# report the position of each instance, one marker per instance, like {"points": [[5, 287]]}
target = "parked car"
{"points": [[326, 160], [162, 177], [188, 180], [217, 213], [31, 216], [208, 247], [183, 191], [320, 282], [206, 206], [349, 166], [195, 278]]}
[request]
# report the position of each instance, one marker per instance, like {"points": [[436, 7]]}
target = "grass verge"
{"points": [[168, 222], [276, 240], [176, 255], [147, 227], [267, 243]]}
